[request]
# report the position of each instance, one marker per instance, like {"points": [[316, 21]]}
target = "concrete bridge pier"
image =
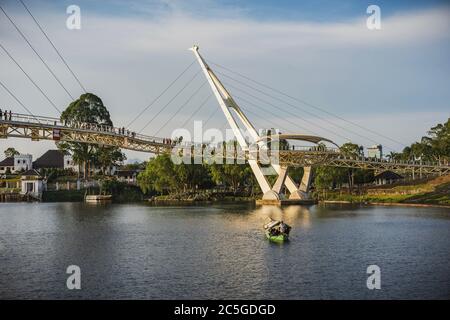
{"points": [[298, 195], [302, 193]]}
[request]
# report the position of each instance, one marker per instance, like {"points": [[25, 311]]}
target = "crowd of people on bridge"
{"points": [[5, 115]]}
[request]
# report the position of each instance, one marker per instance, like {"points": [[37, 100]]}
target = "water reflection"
{"points": [[292, 215]]}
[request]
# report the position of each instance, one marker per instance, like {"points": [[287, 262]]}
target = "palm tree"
{"points": [[393, 155]]}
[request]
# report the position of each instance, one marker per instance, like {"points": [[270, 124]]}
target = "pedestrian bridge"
{"points": [[39, 128]]}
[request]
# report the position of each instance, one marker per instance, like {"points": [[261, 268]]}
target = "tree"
{"points": [[438, 141], [327, 177], [193, 176], [159, 175], [393, 155], [11, 152], [89, 109], [232, 175], [434, 147], [351, 150]]}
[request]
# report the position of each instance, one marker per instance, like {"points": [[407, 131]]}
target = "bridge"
{"points": [[38, 128]]}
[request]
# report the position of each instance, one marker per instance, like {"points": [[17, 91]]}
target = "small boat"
{"points": [[277, 230]]}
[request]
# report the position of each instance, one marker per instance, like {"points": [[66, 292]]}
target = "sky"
{"points": [[393, 82]]}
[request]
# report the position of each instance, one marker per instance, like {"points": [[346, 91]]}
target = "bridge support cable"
{"points": [[54, 47], [29, 78], [180, 108], [287, 112], [310, 105], [161, 94], [37, 54], [170, 101], [210, 117], [296, 107], [18, 101], [196, 111], [290, 113], [273, 114], [270, 123]]}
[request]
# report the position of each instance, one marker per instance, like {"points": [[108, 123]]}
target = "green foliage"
{"points": [[163, 176], [53, 174], [232, 175], [63, 196], [121, 191], [159, 175], [11, 152], [434, 147]]}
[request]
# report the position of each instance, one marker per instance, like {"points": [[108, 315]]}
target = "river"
{"points": [[139, 251]]}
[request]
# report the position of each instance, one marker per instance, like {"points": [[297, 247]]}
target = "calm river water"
{"points": [[219, 251]]}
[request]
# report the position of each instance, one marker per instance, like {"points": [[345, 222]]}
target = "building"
{"points": [[23, 162], [50, 159], [375, 151], [17, 163], [55, 159], [32, 183], [128, 176], [387, 177], [7, 165], [69, 163]]}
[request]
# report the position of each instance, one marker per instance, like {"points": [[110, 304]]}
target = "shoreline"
{"points": [[392, 204]]}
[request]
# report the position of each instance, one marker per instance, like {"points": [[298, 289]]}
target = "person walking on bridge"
{"points": [[1, 114], [10, 115]]}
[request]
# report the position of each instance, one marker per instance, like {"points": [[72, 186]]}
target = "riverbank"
{"points": [[122, 194], [388, 204], [435, 192]]}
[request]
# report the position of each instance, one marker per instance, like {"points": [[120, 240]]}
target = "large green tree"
{"points": [[11, 152], [433, 147], [89, 109]]}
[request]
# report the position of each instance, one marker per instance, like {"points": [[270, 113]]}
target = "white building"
{"points": [[23, 162], [375, 151], [69, 163], [32, 183], [17, 163]]}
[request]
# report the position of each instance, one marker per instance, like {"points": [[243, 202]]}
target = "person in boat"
{"points": [[282, 227]]}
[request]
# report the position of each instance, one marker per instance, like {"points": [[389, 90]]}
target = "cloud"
{"points": [[342, 67]]}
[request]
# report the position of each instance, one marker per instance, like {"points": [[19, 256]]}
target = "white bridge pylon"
{"points": [[227, 104]]}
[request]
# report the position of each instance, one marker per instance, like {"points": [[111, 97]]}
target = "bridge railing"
{"points": [[84, 126], [393, 161]]}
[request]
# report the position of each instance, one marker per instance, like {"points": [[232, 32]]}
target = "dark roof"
{"points": [[388, 175], [7, 162], [50, 159], [31, 172]]}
